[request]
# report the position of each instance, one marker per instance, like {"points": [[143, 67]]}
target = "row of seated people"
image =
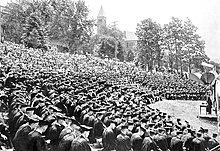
{"points": [[185, 96]]}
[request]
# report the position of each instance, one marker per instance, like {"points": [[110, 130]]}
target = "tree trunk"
{"points": [[189, 63], [177, 64], [159, 60]]}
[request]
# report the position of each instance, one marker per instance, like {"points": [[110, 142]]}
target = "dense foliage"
{"points": [[176, 45], [34, 23], [109, 43]]}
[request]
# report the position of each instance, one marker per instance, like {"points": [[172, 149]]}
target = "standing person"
{"points": [[209, 103]]}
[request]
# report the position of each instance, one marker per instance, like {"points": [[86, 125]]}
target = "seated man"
{"points": [[109, 137], [123, 140]]}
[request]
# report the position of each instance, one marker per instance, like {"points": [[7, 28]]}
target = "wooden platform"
{"points": [[208, 116], [203, 114]]}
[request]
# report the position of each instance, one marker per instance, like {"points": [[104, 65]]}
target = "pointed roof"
{"points": [[101, 12]]}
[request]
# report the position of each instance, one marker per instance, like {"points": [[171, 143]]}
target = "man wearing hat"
{"points": [[123, 140], [148, 143], [206, 138], [209, 103], [108, 136], [198, 142], [187, 138], [137, 138], [176, 142], [213, 141], [161, 140], [168, 136]]}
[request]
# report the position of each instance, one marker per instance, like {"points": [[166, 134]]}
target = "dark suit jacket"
{"points": [[212, 143], [176, 144], [198, 144], [161, 142], [149, 144]]}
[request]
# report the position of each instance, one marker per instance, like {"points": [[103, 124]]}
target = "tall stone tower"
{"points": [[101, 20]]}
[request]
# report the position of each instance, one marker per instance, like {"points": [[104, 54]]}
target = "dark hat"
{"points": [[177, 126], [199, 134], [152, 132], [189, 130], [193, 130], [183, 128], [167, 128], [151, 124], [135, 120], [124, 126], [179, 132], [161, 130], [144, 120], [159, 124], [201, 130], [113, 121], [178, 119], [214, 135], [206, 131]]}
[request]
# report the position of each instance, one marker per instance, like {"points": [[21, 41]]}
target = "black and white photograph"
{"points": [[109, 75]]}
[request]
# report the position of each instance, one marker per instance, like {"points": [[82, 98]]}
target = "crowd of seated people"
{"points": [[73, 102]]}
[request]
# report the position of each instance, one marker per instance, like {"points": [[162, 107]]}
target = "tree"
{"points": [[33, 35], [174, 40], [120, 53], [109, 43], [185, 47], [70, 23], [194, 46], [149, 43], [26, 22], [129, 56], [37, 21], [13, 19]]}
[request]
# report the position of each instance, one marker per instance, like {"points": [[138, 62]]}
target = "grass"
{"points": [[186, 110]]}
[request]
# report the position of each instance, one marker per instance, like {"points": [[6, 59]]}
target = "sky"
{"points": [[204, 14]]}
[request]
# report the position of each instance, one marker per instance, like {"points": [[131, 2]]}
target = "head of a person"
{"points": [[124, 129], [214, 135], [199, 134], [179, 134], [206, 131], [161, 131], [112, 124], [185, 130]]}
